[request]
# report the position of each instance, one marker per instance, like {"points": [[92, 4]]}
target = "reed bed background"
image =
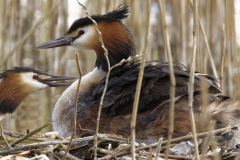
{"points": [[28, 23]]}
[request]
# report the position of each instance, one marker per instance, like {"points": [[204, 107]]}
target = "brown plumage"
{"points": [[153, 109]]}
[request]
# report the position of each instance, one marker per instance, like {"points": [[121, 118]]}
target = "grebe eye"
{"points": [[81, 32], [35, 77]]}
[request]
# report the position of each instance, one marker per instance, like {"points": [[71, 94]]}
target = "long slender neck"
{"points": [[87, 82], [119, 42], [63, 108], [10, 96]]}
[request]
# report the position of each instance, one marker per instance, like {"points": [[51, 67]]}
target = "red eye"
{"points": [[81, 32], [35, 77]]}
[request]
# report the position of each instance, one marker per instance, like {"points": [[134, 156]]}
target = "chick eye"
{"points": [[35, 77], [81, 32]]}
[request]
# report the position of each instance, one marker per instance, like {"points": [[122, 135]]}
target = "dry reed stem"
{"points": [[139, 82], [75, 104], [109, 137], [158, 148], [105, 151], [26, 136], [191, 81], [172, 76], [204, 96], [222, 56], [172, 156], [214, 147], [21, 41], [208, 48], [207, 140], [233, 58], [191, 78], [206, 43], [3, 137], [15, 135], [39, 144], [183, 32], [106, 81], [68, 156], [175, 140]]}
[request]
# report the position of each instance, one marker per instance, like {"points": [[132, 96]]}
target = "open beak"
{"points": [[53, 81], [63, 41]]}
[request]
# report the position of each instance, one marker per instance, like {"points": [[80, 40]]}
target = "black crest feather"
{"points": [[117, 15], [20, 70]]}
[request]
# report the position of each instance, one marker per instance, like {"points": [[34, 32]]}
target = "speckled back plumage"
{"points": [[155, 87]]}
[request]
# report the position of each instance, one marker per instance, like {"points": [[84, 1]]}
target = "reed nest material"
{"points": [[51, 146]]}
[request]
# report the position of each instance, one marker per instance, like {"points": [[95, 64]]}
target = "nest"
{"points": [[51, 146]]}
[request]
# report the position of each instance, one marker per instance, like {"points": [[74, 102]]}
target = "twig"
{"points": [[208, 48], [183, 34], [191, 79], [139, 82], [75, 104], [3, 137], [172, 76], [13, 134], [112, 138], [28, 135], [105, 151], [222, 56], [107, 77], [207, 140], [158, 148], [205, 41]]}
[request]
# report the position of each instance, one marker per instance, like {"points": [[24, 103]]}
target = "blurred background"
{"points": [[28, 23]]}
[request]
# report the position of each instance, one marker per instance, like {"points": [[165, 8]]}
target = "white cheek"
{"points": [[31, 84], [87, 38], [81, 42], [35, 86]]}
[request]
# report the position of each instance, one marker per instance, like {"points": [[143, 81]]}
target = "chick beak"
{"points": [[63, 41], [52, 81]]}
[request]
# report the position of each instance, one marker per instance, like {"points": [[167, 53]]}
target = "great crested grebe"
{"points": [[19, 82], [153, 109]]}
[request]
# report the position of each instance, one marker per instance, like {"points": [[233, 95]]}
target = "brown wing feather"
{"points": [[155, 87], [153, 124]]}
